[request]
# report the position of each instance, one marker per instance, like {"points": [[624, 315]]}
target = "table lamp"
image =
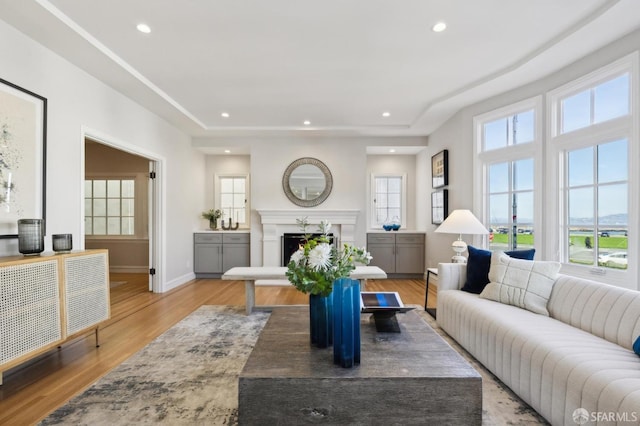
{"points": [[461, 222]]}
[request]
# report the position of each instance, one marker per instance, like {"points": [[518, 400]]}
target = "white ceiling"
{"points": [[337, 63]]}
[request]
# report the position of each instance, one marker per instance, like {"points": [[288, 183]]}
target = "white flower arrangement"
{"points": [[317, 263]]}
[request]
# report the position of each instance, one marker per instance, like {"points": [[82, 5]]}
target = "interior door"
{"points": [[152, 223]]}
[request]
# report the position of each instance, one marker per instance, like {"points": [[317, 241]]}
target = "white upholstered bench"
{"points": [[251, 274]]}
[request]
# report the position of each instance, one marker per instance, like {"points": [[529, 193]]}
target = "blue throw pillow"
{"points": [[636, 346], [521, 254], [478, 265]]}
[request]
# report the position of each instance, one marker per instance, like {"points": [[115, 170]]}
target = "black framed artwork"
{"points": [[439, 206], [23, 150], [439, 169]]}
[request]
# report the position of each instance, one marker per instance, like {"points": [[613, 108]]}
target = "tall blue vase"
{"points": [[321, 320], [346, 322]]}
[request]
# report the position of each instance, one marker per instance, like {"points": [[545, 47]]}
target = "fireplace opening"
{"points": [[291, 243]]}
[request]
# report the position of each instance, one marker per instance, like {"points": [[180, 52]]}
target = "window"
{"points": [[389, 194], [596, 104], [233, 198], [507, 141], [592, 138], [510, 204], [109, 206], [597, 204], [507, 131]]}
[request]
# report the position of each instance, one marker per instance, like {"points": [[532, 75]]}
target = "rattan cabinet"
{"points": [[48, 299]]}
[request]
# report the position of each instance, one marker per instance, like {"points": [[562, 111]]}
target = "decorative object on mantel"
{"points": [[307, 182], [62, 243], [461, 222], [31, 236], [314, 268], [213, 216]]}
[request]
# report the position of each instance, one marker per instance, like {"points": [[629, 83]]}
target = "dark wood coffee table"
{"points": [[411, 377]]}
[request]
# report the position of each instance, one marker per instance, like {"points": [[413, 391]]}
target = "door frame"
{"points": [[156, 206]]}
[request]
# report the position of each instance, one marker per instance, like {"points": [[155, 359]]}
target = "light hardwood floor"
{"points": [[34, 389]]}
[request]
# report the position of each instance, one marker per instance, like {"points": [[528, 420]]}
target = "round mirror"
{"points": [[307, 182]]}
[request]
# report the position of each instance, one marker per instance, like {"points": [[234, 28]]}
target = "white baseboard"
{"points": [[177, 282]]}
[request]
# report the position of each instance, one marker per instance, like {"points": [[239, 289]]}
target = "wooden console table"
{"points": [[48, 299], [251, 274]]}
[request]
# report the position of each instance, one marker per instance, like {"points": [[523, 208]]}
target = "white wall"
{"points": [[346, 159], [391, 164], [457, 136], [221, 164], [76, 101]]}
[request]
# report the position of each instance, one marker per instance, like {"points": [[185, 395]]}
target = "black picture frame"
{"points": [[439, 206], [23, 151], [440, 169]]}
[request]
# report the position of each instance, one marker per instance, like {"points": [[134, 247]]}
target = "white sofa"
{"points": [[580, 356]]}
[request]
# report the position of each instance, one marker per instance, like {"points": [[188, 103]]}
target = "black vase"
{"points": [[31, 236]]}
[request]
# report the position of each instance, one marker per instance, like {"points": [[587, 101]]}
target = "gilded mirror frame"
{"points": [[287, 187]]}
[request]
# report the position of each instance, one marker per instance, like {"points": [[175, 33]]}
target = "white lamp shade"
{"points": [[462, 222]]}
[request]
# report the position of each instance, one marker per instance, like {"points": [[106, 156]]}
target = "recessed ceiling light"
{"points": [[225, 115], [386, 114], [143, 28], [227, 151], [439, 27], [306, 122], [392, 150]]}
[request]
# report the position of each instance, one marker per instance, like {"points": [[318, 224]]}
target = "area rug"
{"points": [[188, 376]]}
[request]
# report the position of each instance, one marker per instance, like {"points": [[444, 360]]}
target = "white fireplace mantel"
{"points": [[276, 222]]}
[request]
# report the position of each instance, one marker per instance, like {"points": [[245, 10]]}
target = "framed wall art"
{"points": [[439, 169], [23, 143], [439, 206]]}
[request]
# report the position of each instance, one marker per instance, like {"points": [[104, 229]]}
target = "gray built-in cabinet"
{"points": [[216, 252], [398, 254]]}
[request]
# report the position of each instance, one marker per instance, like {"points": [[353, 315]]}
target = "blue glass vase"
{"points": [[346, 322], [321, 320]]}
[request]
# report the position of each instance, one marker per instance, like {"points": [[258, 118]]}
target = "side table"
{"points": [[428, 274]]}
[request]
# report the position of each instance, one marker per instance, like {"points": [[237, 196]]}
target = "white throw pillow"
{"points": [[523, 283]]}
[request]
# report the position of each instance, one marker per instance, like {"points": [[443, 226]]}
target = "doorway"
{"points": [[120, 214]]}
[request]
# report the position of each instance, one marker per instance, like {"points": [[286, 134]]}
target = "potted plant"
{"points": [[212, 215]]}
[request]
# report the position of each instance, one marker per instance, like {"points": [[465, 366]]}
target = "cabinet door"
{"points": [[86, 282], [208, 259], [383, 256], [410, 259], [234, 255], [30, 311]]}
